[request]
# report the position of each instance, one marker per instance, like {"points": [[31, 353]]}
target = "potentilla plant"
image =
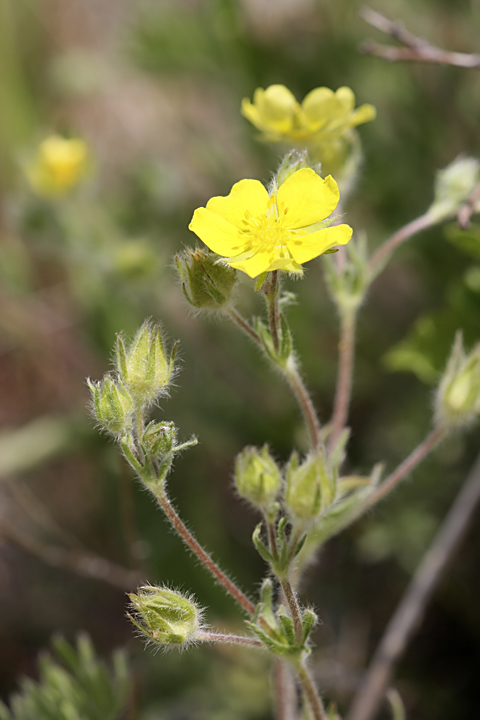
{"points": [[269, 234]]}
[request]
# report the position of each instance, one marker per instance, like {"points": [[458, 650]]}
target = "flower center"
{"points": [[269, 230]]}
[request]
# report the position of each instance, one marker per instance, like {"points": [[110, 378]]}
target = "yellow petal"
{"points": [[255, 265], [247, 199], [363, 114], [305, 198], [345, 99], [217, 233], [318, 106], [251, 113], [276, 106], [306, 247]]}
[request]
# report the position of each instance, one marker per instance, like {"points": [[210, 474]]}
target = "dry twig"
{"points": [[412, 606], [415, 49]]}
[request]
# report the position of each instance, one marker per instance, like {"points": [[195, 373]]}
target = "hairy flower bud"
{"points": [[458, 396], [159, 438], [257, 476], [207, 283], [453, 186], [310, 486], [293, 161], [144, 367], [165, 616], [112, 404]]}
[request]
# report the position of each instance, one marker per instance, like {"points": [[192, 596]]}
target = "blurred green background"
{"points": [[155, 87]]}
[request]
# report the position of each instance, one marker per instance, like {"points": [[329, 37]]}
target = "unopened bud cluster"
{"points": [[165, 616], [458, 395]]}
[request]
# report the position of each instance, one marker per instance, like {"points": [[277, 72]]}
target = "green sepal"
{"points": [[286, 339], [309, 620], [260, 546], [130, 457], [260, 280], [299, 545], [121, 357], [286, 625]]}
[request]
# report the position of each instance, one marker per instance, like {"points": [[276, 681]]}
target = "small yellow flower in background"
{"points": [[256, 232], [58, 165], [323, 115]]}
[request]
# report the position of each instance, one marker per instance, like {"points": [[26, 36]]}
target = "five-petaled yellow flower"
{"points": [[257, 232], [324, 115], [58, 166]]}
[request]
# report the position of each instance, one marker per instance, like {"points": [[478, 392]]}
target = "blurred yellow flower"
{"points": [[257, 232], [323, 115], [58, 165]]}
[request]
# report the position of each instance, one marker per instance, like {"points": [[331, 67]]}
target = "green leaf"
{"points": [[73, 685]]}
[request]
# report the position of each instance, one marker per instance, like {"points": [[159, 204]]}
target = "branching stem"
{"points": [[381, 256], [310, 692], [405, 468], [294, 608], [227, 639], [412, 606], [343, 392], [305, 402], [202, 554]]}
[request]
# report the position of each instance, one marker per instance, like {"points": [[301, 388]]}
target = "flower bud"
{"points": [[112, 404], [453, 186], [165, 616], [458, 396], [310, 486], [58, 166], [257, 476], [144, 368], [293, 161], [207, 283], [159, 438]]}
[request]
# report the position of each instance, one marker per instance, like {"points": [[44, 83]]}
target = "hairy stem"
{"points": [[406, 467], [244, 325], [202, 554], [294, 608], [271, 294], [412, 606], [285, 697], [227, 639], [343, 391], [381, 256], [305, 402], [310, 692]]}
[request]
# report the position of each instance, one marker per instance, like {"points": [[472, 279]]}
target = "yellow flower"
{"points": [[257, 232], [58, 166], [323, 115]]}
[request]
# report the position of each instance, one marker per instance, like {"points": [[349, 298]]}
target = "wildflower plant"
{"points": [[269, 234]]}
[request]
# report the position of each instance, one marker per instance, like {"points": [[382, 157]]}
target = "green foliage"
{"points": [[73, 685]]}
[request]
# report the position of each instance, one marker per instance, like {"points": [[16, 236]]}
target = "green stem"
{"points": [[202, 554], [405, 468], [305, 402], [227, 639], [271, 294], [295, 611], [343, 392], [244, 325], [310, 692], [380, 258]]}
